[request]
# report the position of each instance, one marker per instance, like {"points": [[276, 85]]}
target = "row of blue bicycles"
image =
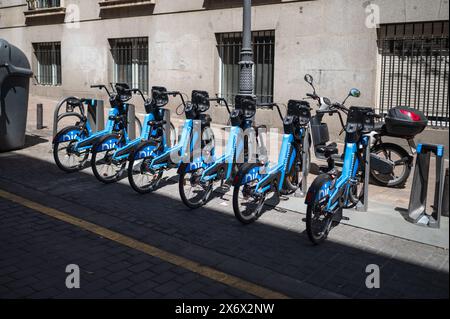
{"points": [[243, 165]]}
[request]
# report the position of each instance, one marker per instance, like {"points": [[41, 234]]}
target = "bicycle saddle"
{"points": [[74, 102], [328, 150]]}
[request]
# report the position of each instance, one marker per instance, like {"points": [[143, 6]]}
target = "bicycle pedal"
{"points": [[224, 188]]}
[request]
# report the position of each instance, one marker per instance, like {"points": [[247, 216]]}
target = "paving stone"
{"points": [[275, 247]]}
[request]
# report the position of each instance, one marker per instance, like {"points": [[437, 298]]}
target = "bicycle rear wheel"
{"points": [[193, 192], [247, 208], [104, 167], [66, 158], [141, 178]]}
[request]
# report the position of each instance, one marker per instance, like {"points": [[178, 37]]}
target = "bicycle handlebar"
{"points": [[175, 93], [221, 99], [137, 91], [270, 107], [312, 95], [101, 86]]}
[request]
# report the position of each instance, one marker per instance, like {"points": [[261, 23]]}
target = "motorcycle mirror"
{"points": [[354, 93], [309, 79], [326, 101]]}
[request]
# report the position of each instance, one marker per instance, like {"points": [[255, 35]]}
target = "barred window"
{"points": [[229, 46], [130, 62], [47, 63], [41, 4], [414, 68]]}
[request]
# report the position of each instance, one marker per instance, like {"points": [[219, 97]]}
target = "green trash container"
{"points": [[15, 76]]}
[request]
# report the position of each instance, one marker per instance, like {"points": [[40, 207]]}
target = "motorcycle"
{"points": [[390, 163]]}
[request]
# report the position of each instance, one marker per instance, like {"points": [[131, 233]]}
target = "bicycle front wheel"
{"points": [[247, 207], [193, 192], [318, 223], [64, 154], [141, 178]]}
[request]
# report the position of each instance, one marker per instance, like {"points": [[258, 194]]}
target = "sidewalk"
{"points": [[274, 253], [386, 205]]}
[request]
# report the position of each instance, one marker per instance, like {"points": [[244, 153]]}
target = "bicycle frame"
{"points": [[335, 189], [124, 150], [286, 159], [73, 134], [88, 141], [234, 149], [189, 138]]}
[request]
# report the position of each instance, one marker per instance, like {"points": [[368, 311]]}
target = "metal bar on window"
{"points": [[414, 69], [229, 46], [48, 62]]}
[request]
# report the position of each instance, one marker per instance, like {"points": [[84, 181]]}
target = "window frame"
{"points": [[47, 74], [137, 69], [263, 42], [412, 57]]}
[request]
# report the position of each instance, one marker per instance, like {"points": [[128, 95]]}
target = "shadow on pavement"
{"points": [[212, 236], [32, 140]]}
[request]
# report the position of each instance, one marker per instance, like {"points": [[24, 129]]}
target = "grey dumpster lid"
{"points": [[11, 54], [16, 60]]}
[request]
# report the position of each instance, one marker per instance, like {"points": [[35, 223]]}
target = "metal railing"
{"points": [[415, 68], [229, 47]]}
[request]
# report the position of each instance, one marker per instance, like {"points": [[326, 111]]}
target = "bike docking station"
{"points": [[95, 114], [363, 204], [306, 158], [417, 213]]}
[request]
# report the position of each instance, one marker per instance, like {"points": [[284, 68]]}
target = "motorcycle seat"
{"points": [[327, 150]]}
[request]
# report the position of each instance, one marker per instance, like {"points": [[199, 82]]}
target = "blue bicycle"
{"points": [[111, 153], [73, 144], [236, 152], [149, 161], [255, 181], [333, 191]]}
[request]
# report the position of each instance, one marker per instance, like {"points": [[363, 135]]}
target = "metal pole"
{"points": [[303, 186], [39, 117], [131, 122], [246, 63], [305, 161], [364, 205], [99, 116]]}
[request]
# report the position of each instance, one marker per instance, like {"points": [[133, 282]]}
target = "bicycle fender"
{"points": [[69, 133], [247, 173], [316, 187], [192, 166], [107, 143], [146, 149]]}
